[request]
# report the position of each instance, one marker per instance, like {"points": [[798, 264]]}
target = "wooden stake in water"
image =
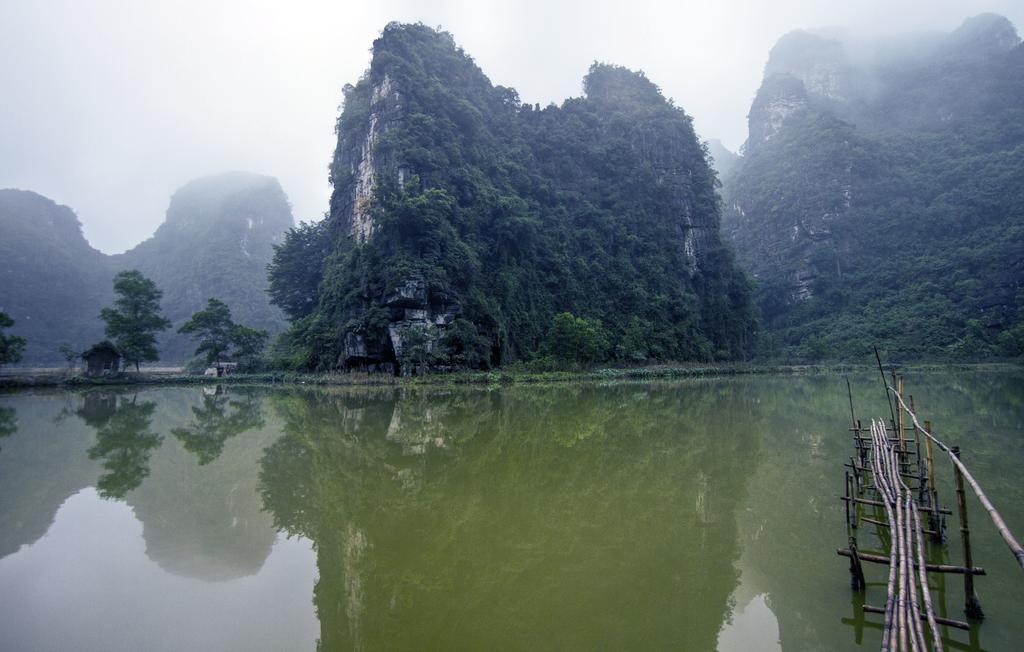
{"points": [[972, 607], [899, 422], [934, 522]]}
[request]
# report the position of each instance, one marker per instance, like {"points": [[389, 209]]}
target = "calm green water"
{"points": [[687, 516]]}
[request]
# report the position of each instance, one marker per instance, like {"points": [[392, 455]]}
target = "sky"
{"points": [[108, 106]]}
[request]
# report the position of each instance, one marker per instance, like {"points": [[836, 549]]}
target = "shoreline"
{"points": [[12, 380]]}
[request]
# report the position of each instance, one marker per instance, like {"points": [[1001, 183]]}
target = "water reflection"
{"points": [[687, 516], [566, 517], [123, 439], [201, 514], [41, 465], [218, 419], [8, 421]]}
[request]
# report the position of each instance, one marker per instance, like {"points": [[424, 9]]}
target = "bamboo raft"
{"points": [[890, 476]]}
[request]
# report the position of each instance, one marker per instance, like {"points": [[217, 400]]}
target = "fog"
{"points": [[109, 105]]}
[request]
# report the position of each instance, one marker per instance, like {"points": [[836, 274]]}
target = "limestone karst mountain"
{"points": [[463, 220], [216, 241], [879, 197]]}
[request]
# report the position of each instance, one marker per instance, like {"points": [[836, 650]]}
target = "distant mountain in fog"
{"points": [[879, 196], [216, 241], [52, 283], [723, 159]]}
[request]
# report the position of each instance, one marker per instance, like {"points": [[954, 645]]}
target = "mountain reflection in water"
{"points": [[687, 515]]}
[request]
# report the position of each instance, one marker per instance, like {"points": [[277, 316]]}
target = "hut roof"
{"points": [[102, 348]]}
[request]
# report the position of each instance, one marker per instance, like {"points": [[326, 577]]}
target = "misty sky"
{"points": [[109, 105]]}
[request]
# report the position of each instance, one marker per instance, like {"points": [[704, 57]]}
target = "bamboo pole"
{"points": [[997, 519], [856, 570], [972, 607], [931, 568], [875, 503], [915, 608], [849, 393], [888, 632], [959, 624], [899, 420], [872, 521], [881, 373], [926, 593], [846, 488], [935, 522], [917, 455]]}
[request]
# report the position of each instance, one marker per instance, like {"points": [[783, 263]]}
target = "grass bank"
{"points": [[50, 378]]}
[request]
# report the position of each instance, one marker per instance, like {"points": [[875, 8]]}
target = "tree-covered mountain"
{"points": [[463, 220], [880, 198], [216, 241], [52, 283]]}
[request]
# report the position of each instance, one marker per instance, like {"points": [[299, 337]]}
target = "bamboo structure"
{"points": [[997, 519], [888, 456]]}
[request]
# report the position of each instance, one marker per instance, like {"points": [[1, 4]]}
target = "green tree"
{"points": [[135, 319], [1011, 341], [213, 327], [296, 268], [248, 344], [576, 340], [69, 355], [219, 336], [11, 346]]}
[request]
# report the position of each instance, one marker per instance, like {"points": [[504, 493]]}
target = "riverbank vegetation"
{"points": [[515, 374]]}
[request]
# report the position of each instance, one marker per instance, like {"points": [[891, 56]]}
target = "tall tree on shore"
{"points": [[213, 327], [249, 344], [217, 333], [135, 319], [11, 346]]}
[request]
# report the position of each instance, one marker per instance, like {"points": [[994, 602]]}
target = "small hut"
{"points": [[101, 359], [221, 369]]}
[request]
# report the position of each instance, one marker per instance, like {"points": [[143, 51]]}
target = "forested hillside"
{"points": [[216, 242], [463, 221], [880, 198], [52, 283]]}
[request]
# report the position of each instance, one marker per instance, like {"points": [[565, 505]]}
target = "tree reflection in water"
{"points": [[124, 442], [218, 419], [8, 421], [563, 517]]}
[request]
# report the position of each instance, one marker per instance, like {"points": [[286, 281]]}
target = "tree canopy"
{"points": [[11, 346], [218, 333], [135, 319], [502, 215]]}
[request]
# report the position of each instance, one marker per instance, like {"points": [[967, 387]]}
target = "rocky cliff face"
{"points": [[781, 98], [462, 220], [800, 240], [862, 176], [819, 62], [359, 163]]}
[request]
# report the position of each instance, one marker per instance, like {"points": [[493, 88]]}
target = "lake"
{"points": [[691, 515]]}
